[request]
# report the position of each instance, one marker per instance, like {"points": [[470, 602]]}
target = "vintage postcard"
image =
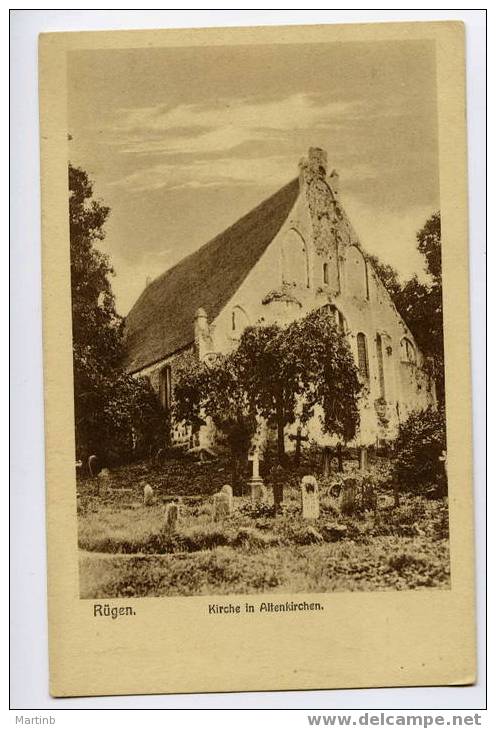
{"points": [[256, 352]]}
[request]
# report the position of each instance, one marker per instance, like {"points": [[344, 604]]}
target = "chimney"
{"points": [[202, 333], [317, 161], [314, 166]]}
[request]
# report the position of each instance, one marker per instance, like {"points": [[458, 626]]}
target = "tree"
{"points": [[327, 375], [421, 304], [115, 415], [419, 461], [388, 276], [214, 389], [276, 373], [429, 244], [301, 370], [268, 373]]}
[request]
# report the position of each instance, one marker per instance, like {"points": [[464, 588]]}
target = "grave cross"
{"points": [[256, 483], [254, 457], [299, 438]]}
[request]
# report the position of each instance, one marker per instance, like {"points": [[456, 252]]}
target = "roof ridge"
{"points": [[161, 320], [216, 237]]}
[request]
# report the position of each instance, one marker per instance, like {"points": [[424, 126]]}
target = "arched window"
{"points": [[380, 365], [341, 322], [239, 321], [165, 387], [336, 316], [294, 259], [363, 357], [325, 273], [357, 274], [408, 351]]}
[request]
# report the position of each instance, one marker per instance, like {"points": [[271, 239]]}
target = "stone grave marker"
{"points": [[347, 501], [298, 439], [369, 496], [310, 507], [147, 494], [171, 516], [93, 465], [364, 459], [257, 488], [258, 492], [227, 491], [278, 478], [222, 506]]}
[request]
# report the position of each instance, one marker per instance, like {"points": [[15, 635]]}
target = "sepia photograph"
{"points": [[257, 319]]}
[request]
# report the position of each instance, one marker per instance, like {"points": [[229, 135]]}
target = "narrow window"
{"points": [[233, 320], [409, 353], [380, 365], [336, 317], [363, 360], [325, 269], [165, 390], [294, 260], [367, 290], [341, 322]]}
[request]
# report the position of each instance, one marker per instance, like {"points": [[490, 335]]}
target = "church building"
{"points": [[295, 252]]}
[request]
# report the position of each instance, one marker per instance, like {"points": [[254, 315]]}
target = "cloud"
{"points": [[270, 171], [201, 129]]}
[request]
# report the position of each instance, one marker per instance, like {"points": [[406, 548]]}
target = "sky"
{"points": [[181, 142]]}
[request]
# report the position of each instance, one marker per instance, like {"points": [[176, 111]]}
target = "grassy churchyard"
{"points": [[131, 547]]}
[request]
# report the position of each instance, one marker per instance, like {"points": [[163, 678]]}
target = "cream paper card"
{"points": [[249, 481]]}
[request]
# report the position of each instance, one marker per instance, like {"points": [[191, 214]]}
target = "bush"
{"points": [[419, 447], [306, 535], [258, 510]]}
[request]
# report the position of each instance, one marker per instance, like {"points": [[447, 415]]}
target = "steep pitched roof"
{"points": [[162, 319]]}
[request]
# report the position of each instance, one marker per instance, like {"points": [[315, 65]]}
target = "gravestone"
{"points": [[364, 460], [369, 496], [299, 439], [227, 491], [347, 502], [310, 508], [278, 489], [326, 461], [256, 484], [258, 492], [147, 494], [171, 516], [93, 465], [222, 506], [278, 478]]}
